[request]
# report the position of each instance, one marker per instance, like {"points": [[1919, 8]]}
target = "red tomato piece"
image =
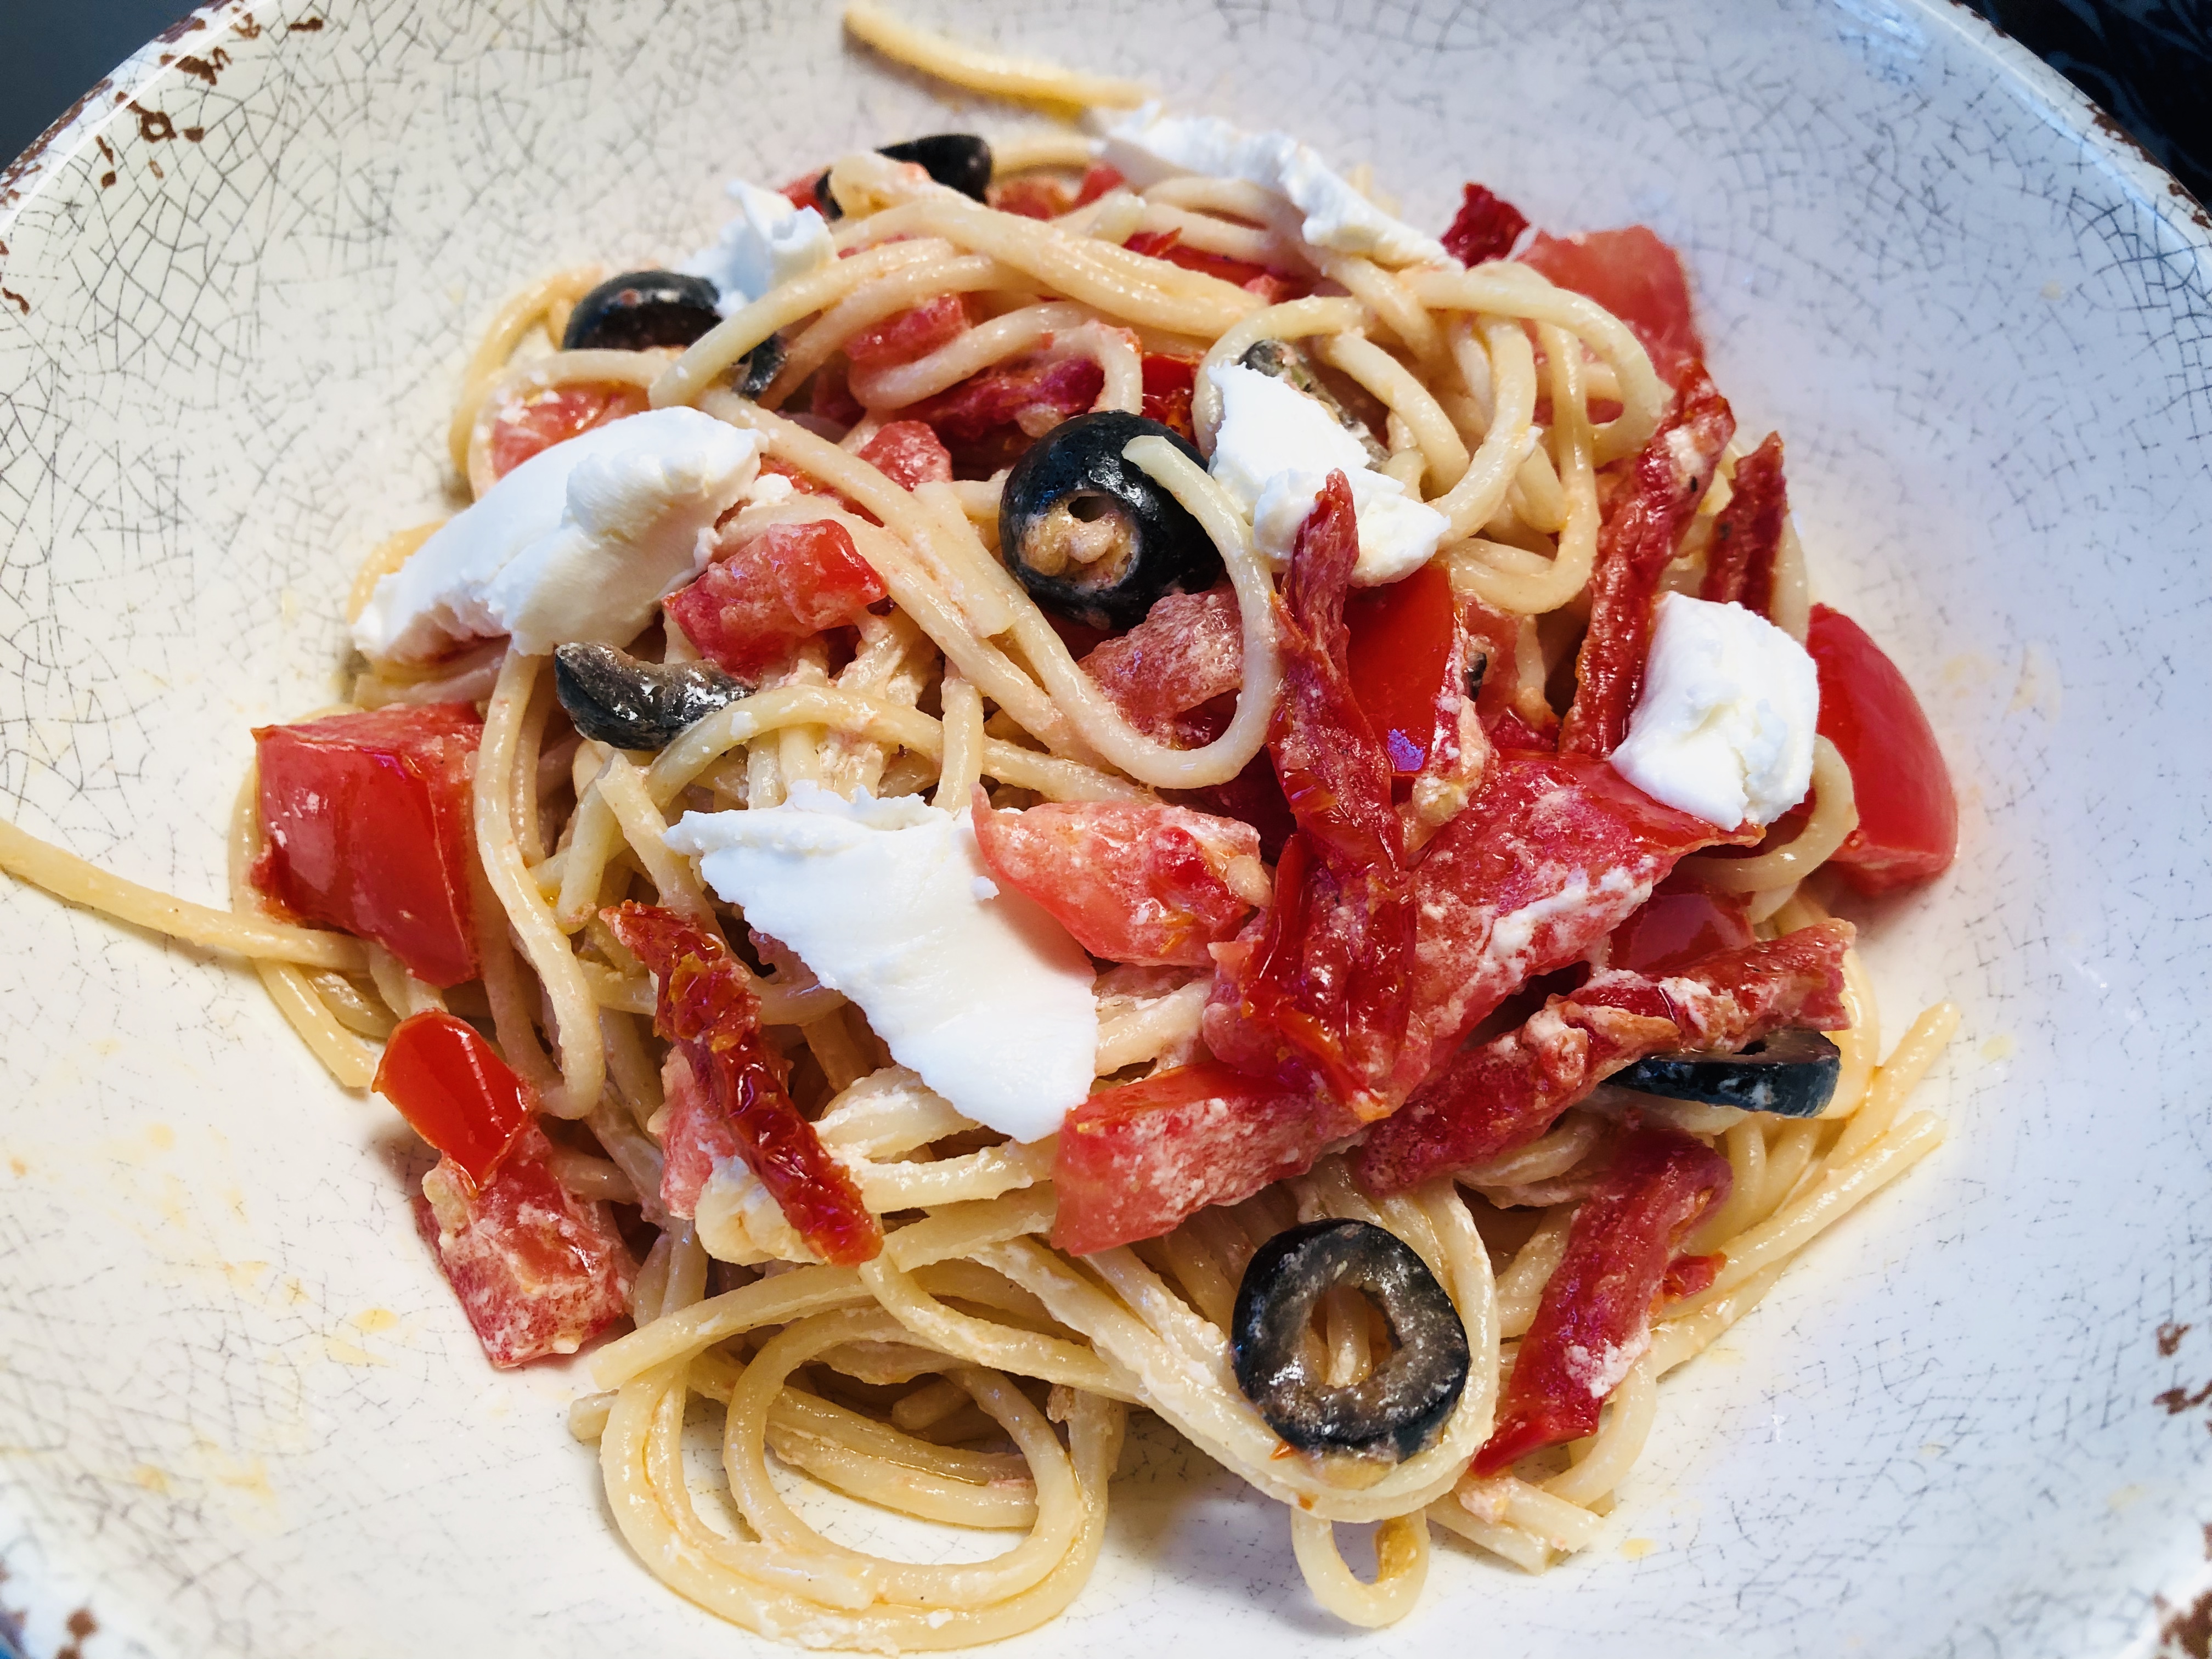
{"points": [[830, 396], [805, 190], [1036, 196], [750, 608], [1133, 1161], [1748, 533], [454, 1091], [1034, 396], [1908, 816], [1139, 884], [1272, 286], [538, 1271], [1637, 277], [908, 453], [541, 419], [1097, 179], [1551, 855], [706, 1007], [366, 818], [1402, 658], [1683, 921], [1188, 650], [1496, 1096], [1594, 1321], [1318, 990], [1635, 544], [1486, 226], [1168, 384], [907, 335]]}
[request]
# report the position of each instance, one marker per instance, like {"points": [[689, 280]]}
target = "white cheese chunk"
{"points": [[1273, 451], [983, 994], [768, 242], [1724, 728], [1146, 147], [578, 542]]}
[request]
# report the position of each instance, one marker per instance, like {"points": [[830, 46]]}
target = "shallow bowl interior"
{"points": [[239, 1411]]}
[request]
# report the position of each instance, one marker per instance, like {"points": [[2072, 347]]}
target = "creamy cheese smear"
{"points": [[979, 991], [579, 543]]}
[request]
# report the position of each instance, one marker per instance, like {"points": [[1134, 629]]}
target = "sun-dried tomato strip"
{"points": [[1503, 1094], [1594, 1321], [1321, 991], [1635, 545], [1484, 228], [708, 1011], [1748, 533]]}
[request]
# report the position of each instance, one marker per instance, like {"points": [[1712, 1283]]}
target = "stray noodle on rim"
{"points": [[1207, 806]]}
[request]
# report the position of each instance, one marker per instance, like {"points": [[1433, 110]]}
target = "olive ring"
{"points": [[1401, 1404]]}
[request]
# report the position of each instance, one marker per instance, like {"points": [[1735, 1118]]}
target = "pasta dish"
{"points": [[1086, 771]]}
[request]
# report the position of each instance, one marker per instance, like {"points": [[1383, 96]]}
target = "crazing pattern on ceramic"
{"points": [[239, 1411]]}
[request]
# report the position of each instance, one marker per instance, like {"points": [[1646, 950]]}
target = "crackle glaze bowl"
{"points": [[240, 1413]]}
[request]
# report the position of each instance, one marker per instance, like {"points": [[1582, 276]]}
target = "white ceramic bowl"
{"points": [[240, 1414]]}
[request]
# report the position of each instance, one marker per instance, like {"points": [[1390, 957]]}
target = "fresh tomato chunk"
{"points": [[753, 606], [907, 335], [538, 1271], [1908, 816], [1486, 226], [1594, 1321], [1401, 659], [1683, 921], [737, 1103], [367, 819], [1272, 286], [1635, 545], [538, 420], [1188, 650], [908, 453], [1135, 1160], [1144, 884], [1168, 384], [454, 1091], [1637, 277], [1036, 397], [1040, 196], [1496, 1096]]}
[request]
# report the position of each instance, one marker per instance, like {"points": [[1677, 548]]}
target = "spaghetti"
{"points": [[971, 1373]]}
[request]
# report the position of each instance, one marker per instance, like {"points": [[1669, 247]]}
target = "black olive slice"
{"points": [[1291, 365], [762, 365], [1790, 1073], [614, 698], [1092, 537], [642, 308], [1402, 1403], [959, 160]]}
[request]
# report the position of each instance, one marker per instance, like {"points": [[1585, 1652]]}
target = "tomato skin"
{"points": [[1400, 658], [454, 1091], [538, 420], [1908, 814], [366, 818], [1169, 382]]}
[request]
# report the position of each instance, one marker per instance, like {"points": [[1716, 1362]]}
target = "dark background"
{"points": [[2148, 62]]}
